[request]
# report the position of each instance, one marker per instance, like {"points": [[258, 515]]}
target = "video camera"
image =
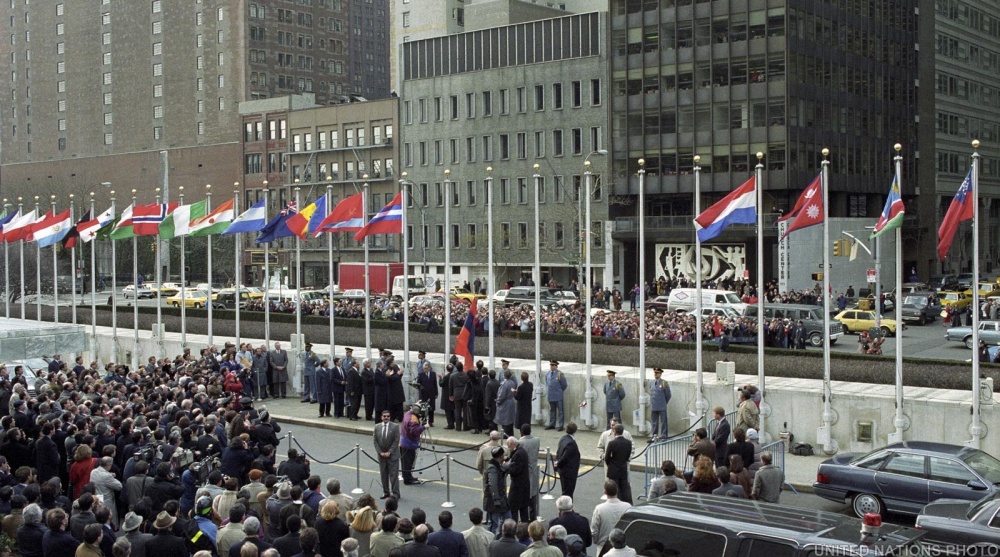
{"points": [[421, 410]]}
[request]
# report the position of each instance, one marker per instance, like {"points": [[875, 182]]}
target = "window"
{"points": [[439, 240], [62, 124], [200, 84], [950, 471], [60, 86], [472, 237], [504, 191], [504, 101], [522, 191], [560, 189], [108, 119], [437, 109], [106, 78], [522, 235], [470, 105], [157, 49], [158, 27], [60, 67], [505, 235], [542, 234], [199, 62], [456, 236], [453, 106], [539, 144], [557, 96], [470, 149], [107, 98], [106, 58], [487, 103], [61, 105], [157, 6], [222, 81], [158, 111], [539, 97], [59, 9], [200, 106], [577, 141], [61, 29], [522, 145], [470, 189], [504, 146], [453, 148], [60, 48], [487, 148], [595, 92], [906, 465], [522, 100], [577, 94], [557, 143], [157, 70], [439, 194], [560, 235], [406, 19]]}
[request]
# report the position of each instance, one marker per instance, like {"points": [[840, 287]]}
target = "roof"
{"points": [[927, 447]]}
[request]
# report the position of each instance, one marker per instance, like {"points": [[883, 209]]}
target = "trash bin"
{"points": [[865, 304]]}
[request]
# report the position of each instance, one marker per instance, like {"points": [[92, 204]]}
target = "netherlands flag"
{"points": [[388, 221], [739, 207]]}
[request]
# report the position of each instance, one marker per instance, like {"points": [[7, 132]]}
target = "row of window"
{"points": [[522, 192], [959, 163], [967, 89], [509, 146], [442, 108], [354, 136], [968, 51], [965, 127], [701, 32], [512, 235], [962, 12]]}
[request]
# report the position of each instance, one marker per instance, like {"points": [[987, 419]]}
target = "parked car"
{"points": [[965, 280], [659, 304], [953, 525], [459, 293], [686, 523], [141, 292], [903, 477], [500, 296], [944, 282], [810, 316], [954, 299], [921, 307], [521, 294], [164, 290], [857, 320], [30, 368], [565, 298], [190, 298], [986, 289], [989, 332]]}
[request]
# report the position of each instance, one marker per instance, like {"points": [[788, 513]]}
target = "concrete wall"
{"points": [[796, 404]]}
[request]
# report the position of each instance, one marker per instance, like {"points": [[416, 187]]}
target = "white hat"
{"points": [[752, 433]]}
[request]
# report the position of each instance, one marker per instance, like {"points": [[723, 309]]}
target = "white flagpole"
{"points": [[208, 239], [72, 258], [643, 397], [24, 314], [55, 273], [329, 267], [93, 287], [236, 262], [135, 284], [114, 288], [159, 291], [184, 288], [368, 292], [405, 248], [299, 346], [537, 279], [447, 267], [700, 407], [6, 269], [38, 272], [759, 189], [825, 435], [976, 429], [901, 422], [491, 280], [267, 282]]}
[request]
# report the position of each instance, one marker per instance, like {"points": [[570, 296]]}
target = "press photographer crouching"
{"points": [[414, 422]]}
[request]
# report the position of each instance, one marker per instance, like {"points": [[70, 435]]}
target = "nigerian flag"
{"points": [[178, 223]]}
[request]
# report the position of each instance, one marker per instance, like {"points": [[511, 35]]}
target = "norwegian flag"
{"points": [[146, 219]]}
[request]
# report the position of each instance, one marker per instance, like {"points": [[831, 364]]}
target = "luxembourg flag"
{"points": [[739, 207], [388, 221]]}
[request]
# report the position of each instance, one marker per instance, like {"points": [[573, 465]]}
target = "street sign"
{"points": [[871, 276]]}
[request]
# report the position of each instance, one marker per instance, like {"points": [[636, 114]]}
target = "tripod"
{"points": [[427, 440]]}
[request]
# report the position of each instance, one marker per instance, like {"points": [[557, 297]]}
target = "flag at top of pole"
{"points": [[465, 344], [893, 213], [5, 219], [347, 216], [19, 228], [739, 207], [306, 220], [808, 210], [215, 222], [252, 220], [961, 209], [89, 229], [69, 242], [53, 229], [388, 221]]}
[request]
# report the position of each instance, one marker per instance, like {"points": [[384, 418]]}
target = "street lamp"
{"points": [[586, 412]]}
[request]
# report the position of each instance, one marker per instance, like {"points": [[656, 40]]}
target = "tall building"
{"points": [[725, 80], [959, 102], [369, 48], [94, 79], [507, 98]]}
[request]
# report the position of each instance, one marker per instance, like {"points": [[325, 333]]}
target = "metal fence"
{"points": [[778, 449], [713, 424]]}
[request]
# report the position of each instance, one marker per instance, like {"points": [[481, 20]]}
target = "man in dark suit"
{"points": [[339, 382], [460, 385], [47, 458], [446, 540], [418, 547], [428, 389], [519, 493], [568, 460], [386, 439], [616, 458], [368, 389], [355, 389], [721, 436], [491, 387], [447, 404], [571, 520]]}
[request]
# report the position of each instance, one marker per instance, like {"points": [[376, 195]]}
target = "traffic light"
{"points": [[836, 248]]}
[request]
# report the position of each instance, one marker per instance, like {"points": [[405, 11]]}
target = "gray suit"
{"points": [[386, 440], [532, 445]]}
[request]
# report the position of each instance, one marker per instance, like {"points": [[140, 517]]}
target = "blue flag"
{"points": [[278, 226], [253, 220]]}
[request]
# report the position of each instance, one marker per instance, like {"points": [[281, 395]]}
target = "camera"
{"points": [[421, 410]]}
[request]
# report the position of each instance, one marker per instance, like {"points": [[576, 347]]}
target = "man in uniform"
{"points": [[309, 362], [659, 396], [614, 394], [555, 384]]}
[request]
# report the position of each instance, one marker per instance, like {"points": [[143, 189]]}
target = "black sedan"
{"points": [[953, 524], [904, 477]]}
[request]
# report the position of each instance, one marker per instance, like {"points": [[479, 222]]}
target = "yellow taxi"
{"points": [[858, 320], [954, 299], [191, 299], [986, 288], [459, 293]]}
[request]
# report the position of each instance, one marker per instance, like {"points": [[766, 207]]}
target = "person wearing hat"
{"points": [[555, 386], [495, 491], [309, 362], [130, 531], [164, 543], [348, 361], [614, 394], [659, 395]]}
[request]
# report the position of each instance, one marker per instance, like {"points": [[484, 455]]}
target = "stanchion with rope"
{"points": [[548, 462], [357, 469], [447, 468], [317, 461]]}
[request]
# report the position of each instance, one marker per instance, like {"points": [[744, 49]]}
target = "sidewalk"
{"points": [[800, 471]]}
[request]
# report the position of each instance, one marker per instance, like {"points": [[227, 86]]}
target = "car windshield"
{"points": [[916, 300], [984, 465], [733, 298], [982, 504]]}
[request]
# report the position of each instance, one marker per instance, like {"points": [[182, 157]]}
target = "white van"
{"points": [[685, 299]]}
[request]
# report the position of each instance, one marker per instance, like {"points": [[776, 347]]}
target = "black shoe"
{"points": [[559, 429], [450, 427], [306, 401], [412, 482], [314, 402], [549, 427], [477, 432], [385, 497]]}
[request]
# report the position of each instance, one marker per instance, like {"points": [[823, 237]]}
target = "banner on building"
{"points": [[718, 261], [783, 266]]}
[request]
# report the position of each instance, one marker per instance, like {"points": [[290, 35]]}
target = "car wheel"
{"points": [[968, 343], [197, 306], [922, 320], [885, 331], [816, 340], [864, 503], [176, 305]]}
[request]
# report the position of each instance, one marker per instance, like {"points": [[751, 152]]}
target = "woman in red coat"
{"points": [[79, 472]]}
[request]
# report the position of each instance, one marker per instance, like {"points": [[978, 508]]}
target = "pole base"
{"points": [[548, 497], [448, 504], [357, 491]]}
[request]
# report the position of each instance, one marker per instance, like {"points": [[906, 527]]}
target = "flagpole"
{"points": [[643, 397], [761, 380], [93, 287], [825, 435], [267, 282], [6, 269], [135, 284], [298, 289], [114, 288], [24, 311], [447, 267], [55, 273], [976, 429], [537, 279], [368, 292], [208, 301], [329, 269], [699, 404], [38, 271], [900, 421], [72, 257], [184, 288], [236, 262], [159, 291], [405, 248], [491, 280]]}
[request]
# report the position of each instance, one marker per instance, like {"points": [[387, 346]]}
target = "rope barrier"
{"points": [[370, 457], [428, 466], [437, 451], [317, 461], [465, 465]]}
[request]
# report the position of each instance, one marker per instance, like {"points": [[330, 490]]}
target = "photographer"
{"points": [[296, 468], [409, 441]]}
